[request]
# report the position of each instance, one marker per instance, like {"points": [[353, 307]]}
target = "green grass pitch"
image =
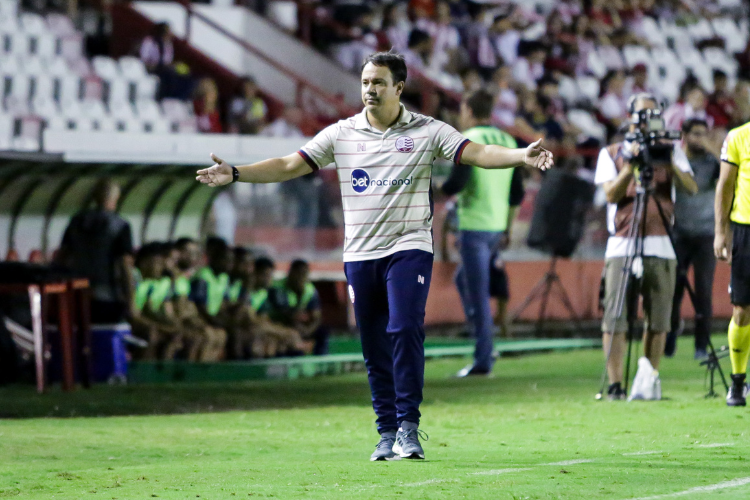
{"points": [[533, 431]]}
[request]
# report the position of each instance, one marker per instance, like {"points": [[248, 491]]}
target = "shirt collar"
{"points": [[362, 123]]}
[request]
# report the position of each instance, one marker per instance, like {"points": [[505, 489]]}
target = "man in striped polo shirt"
{"points": [[384, 158]]}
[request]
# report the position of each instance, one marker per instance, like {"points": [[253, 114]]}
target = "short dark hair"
{"points": [[297, 265], [417, 36], [391, 60], [183, 242], [263, 263], [480, 102], [242, 252], [215, 246], [689, 124], [719, 74]]}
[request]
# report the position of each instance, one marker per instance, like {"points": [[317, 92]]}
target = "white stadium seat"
{"points": [[118, 90], [45, 107], [700, 30], [611, 57], [146, 87], [18, 44], [34, 65], [93, 109], [69, 88], [653, 32], [587, 124], [148, 110], [568, 89], [44, 87], [58, 123], [45, 45], [132, 68], [176, 110], [105, 67], [727, 29], [58, 67], [106, 124], [589, 87], [122, 110], [33, 23], [635, 54], [595, 64], [60, 24]]}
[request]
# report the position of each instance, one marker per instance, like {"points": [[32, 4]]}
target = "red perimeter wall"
{"points": [[580, 278]]}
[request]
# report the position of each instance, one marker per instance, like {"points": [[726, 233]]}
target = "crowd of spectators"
{"points": [[524, 57]]}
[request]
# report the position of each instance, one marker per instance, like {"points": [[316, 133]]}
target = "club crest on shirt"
{"points": [[405, 144]]}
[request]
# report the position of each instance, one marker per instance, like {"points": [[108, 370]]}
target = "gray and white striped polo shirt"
{"points": [[385, 179]]}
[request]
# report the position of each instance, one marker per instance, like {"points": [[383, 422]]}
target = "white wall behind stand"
{"points": [[171, 149], [270, 40]]}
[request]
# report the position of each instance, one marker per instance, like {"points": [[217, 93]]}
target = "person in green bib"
{"points": [[295, 303], [153, 317], [256, 335], [483, 207], [209, 288]]}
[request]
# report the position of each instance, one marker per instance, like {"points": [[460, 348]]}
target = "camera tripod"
{"points": [[635, 252]]}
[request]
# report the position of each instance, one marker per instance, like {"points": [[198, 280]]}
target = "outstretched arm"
{"points": [[266, 171], [492, 156]]}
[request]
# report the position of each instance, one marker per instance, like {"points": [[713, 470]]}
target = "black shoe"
{"points": [[471, 371], [671, 346], [615, 392], [738, 391]]}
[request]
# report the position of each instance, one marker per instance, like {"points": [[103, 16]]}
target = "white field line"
{"points": [[429, 481], [571, 462], [639, 453], [734, 483], [715, 445], [497, 472]]}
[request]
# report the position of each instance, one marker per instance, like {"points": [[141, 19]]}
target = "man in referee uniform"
{"points": [[732, 244], [384, 157], [484, 214]]}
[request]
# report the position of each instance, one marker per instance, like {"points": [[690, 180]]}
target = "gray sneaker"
{"points": [[407, 441], [384, 449]]}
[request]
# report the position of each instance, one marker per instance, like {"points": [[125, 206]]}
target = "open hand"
{"points": [[220, 174], [538, 157]]}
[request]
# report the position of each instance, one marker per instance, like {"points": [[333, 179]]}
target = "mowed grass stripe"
{"points": [[311, 439]]}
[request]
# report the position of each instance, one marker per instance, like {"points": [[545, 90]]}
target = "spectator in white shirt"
{"points": [[529, 69], [287, 125], [692, 104], [505, 39], [613, 104], [397, 26]]}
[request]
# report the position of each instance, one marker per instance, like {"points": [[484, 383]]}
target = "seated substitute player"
{"points": [[384, 158], [152, 316], [616, 172], [294, 302], [732, 208], [209, 288], [188, 260]]}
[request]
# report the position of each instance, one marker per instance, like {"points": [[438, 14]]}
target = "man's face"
{"points": [[189, 256], [696, 138], [153, 266], [720, 83], [697, 99], [378, 90], [244, 266], [222, 261], [263, 278], [298, 278]]}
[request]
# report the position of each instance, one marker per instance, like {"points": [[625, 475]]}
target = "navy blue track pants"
{"points": [[389, 297]]}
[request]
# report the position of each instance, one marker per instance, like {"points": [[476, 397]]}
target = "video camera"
{"points": [[656, 142]]}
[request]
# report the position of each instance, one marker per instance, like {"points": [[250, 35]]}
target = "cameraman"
{"points": [[694, 236], [618, 171]]}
